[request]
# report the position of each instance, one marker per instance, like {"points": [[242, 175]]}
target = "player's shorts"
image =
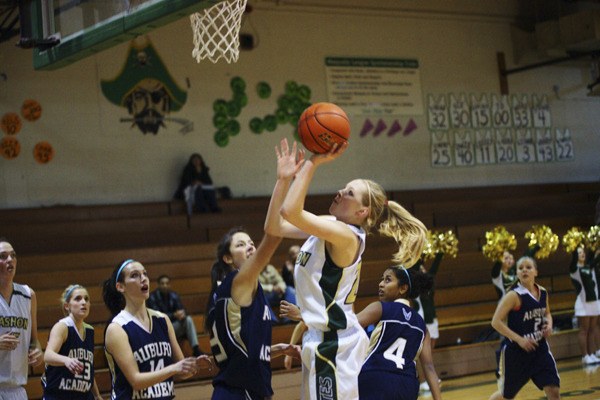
{"points": [[13, 393], [224, 392], [433, 329], [382, 385], [517, 367], [331, 362], [586, 308]]}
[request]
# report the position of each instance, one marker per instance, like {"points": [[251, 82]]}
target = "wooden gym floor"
{"points": [[577, 383]]}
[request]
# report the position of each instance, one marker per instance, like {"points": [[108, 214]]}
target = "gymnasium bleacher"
{"points": [[65, 244]]}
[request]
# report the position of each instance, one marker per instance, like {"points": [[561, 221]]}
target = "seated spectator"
{"points": [[275, 289], [196, 187], [287, 271], [168, 302]]}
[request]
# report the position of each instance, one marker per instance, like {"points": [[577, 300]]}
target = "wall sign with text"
{"points": [[469, 130]]}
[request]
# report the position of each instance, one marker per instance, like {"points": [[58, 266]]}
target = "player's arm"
{"points": [[435, 265], [35, 356], [510, 302], [548, 321], [426, 358], [296, 337], [371, 314], [117, 344], [292, 210], [289, 162], [289, 311], [496, 269], [245, 283], [58, 335], [96, 391]]}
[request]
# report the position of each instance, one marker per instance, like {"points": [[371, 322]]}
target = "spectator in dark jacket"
{"points": [[196, 187], [168, 302]]}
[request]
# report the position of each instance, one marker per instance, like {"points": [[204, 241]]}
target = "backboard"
{"points": [[86, 27]]}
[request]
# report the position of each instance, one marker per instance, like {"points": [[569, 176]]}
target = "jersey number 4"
{"points": [[395, 353]]}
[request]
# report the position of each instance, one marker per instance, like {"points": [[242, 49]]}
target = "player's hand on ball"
{"points": [[336, 151]]}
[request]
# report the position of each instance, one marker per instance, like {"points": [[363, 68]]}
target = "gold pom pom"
{"points": [[497, 241], [542, 236], [592, 238], [573, 239], [440, 242]]}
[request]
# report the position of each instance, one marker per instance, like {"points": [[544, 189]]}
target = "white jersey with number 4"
{"points": [[324, 291]]}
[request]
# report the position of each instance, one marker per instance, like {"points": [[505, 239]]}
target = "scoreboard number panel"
{"points": [[437, 113], [441, 150], [464, 155]]}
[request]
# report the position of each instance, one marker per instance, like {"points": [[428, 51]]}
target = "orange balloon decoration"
{"points": [[11, 123], [9, 147], [31, 110], [43, 152]]}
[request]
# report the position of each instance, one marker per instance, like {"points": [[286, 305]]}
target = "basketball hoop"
{"points": [[217, 31]]}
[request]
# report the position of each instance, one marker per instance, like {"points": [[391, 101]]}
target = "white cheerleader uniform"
{"points": [[15, 317], [584, 280], [335, 345]]}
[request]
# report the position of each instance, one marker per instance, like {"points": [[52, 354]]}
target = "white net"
{"points": [[217, 31]]}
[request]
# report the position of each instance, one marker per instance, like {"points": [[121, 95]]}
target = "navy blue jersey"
{"points": [[528, 321], [396, 341], [240, 339], [152, 351], [60, 383]]}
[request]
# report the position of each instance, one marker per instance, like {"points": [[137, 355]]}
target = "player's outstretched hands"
{"points": [[289, 160], [35, 357], [8, 342], [527, 344], [285, 349], [186, 368], [336, 151], [289, 311], [205, 361], [74, 366]]}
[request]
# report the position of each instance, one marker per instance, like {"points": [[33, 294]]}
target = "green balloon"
{"points": [[304, 92], [284, 102], [270, 123], [220, 106], [220, 120], [291, 87], [238, 85], [297, 105], [256, 125], [233, 127], [294, 118], [233, 109], [221, 138], [263, 90], [241, 99], [282, 116]]}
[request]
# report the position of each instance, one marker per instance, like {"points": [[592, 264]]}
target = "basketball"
{"points": [[321, 125]]}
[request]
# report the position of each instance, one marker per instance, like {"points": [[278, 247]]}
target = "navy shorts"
{"points": [[381, 385], [517, 367], [222, 392]]}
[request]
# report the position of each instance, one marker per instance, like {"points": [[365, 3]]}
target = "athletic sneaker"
{"points": [[590, 359], [424, 387]]}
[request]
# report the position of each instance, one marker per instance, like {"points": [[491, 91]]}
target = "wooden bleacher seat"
{"points": [[82, 244]]}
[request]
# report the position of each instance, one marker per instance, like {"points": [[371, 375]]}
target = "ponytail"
{"points": [[220, 268], [113, 299], [409, 232], [418, 282]]}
